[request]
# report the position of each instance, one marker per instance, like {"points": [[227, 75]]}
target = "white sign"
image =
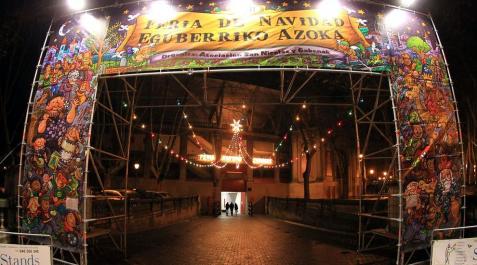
{"points": [[24, 255], [455, 252]]}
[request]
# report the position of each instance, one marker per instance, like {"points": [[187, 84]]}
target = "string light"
{"points": [[238, 146]]}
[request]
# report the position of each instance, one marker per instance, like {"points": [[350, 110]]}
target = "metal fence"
{"points": [[142, 208], [334, 215]]}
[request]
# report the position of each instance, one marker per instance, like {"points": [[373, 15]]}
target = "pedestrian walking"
{"points": [[236, 209], [227, 206], [231, 209]]}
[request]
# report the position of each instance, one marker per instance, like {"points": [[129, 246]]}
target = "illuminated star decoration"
{"points": [[236, 126]]}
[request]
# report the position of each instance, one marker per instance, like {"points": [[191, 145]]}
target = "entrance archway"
{"points": [[124, 43]]}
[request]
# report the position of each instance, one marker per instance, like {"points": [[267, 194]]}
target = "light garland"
{"points": [[236, 146]]}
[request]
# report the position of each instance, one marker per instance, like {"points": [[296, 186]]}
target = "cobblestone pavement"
{"points": [[237, 240]]}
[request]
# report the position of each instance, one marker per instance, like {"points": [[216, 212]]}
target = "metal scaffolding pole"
{"points": [[369, 150], [459, 124], [399, 165]]}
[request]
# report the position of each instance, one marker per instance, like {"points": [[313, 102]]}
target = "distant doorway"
{"points": [[233, 197]]}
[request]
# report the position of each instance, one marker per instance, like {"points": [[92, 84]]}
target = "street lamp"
{"points": [[395, 18], [241, 7], [161, 12], [137, 166], [76, 4], [329, 8], [407, 3]]}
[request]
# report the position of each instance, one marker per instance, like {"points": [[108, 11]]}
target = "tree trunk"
{"points": [[306, 176]]}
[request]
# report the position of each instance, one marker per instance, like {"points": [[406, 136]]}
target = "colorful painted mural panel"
{"points": [[56, 138]]}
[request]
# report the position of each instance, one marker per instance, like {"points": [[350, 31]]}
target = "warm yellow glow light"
{"points": [[236, 126], [76, 4], [161, 11], [235, 159]]}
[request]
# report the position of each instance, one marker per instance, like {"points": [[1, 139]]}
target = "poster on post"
{"points": [[11, 254], [455, 252]]}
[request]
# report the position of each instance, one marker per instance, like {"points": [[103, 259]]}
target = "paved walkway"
{"points": [[236, 240]]}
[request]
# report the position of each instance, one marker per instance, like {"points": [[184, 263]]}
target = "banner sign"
{"points": [[203, 35], [267, 37], [25, 254], [454, 252]]}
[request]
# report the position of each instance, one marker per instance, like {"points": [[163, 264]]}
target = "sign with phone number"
{"points": [[24, 254], [455, 252]]}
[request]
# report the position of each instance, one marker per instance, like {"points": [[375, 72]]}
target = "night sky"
{"points": [[23, 25]]}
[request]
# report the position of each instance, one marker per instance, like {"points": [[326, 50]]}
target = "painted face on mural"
{"points": [[39, 144], [47, 71], [70, 222], [73, 134], [417, 131], [411, 193], [446, 179], [35, 185], [45, 204], [33, 205], [55, 107], [61, 180], [73, 77]]}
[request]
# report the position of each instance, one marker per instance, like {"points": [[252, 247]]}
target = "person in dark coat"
{"points": [[236, 209], [227, 206], [232, 209]]}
